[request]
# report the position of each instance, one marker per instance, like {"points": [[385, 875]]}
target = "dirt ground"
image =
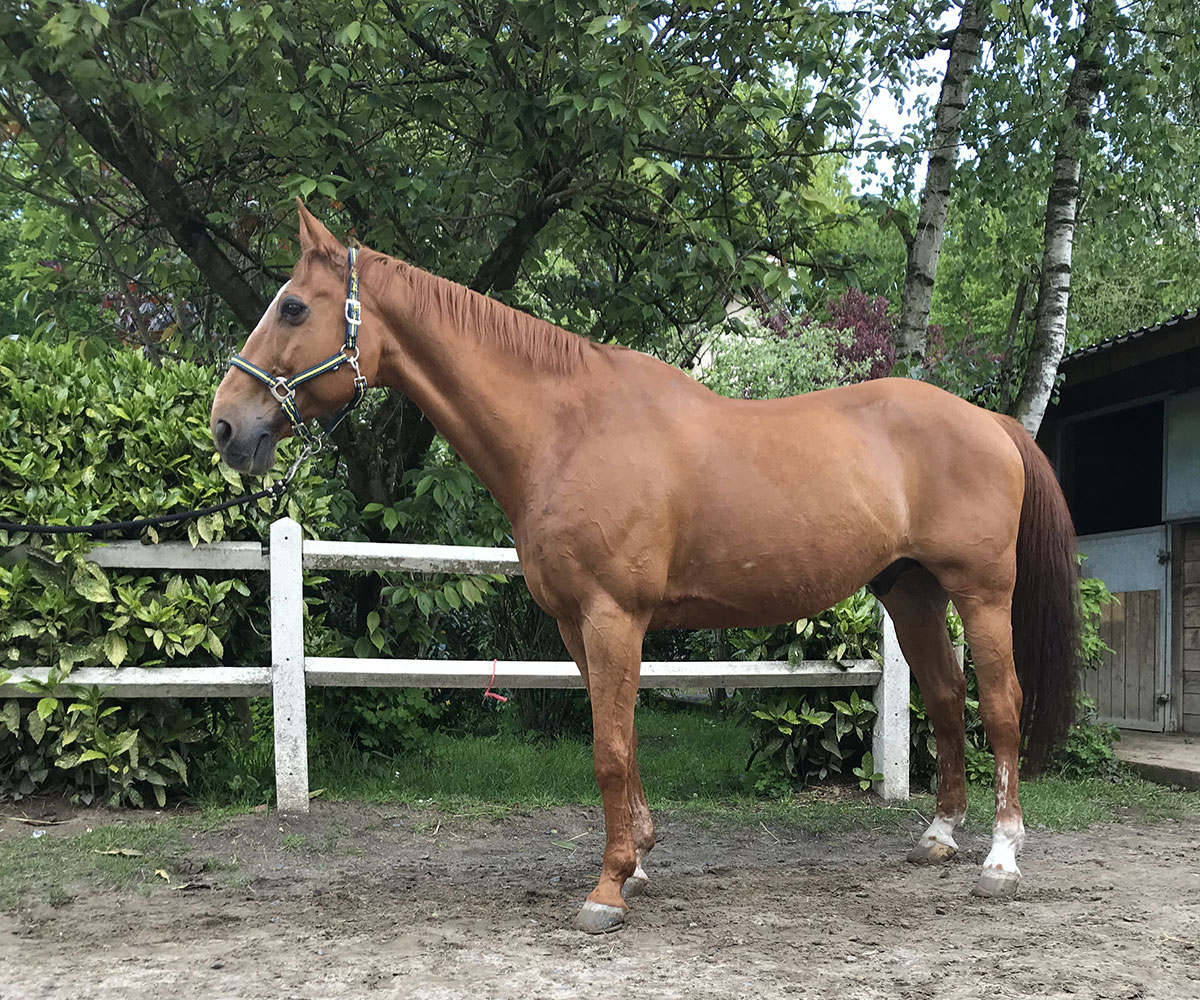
{"points": [[360, 901]]}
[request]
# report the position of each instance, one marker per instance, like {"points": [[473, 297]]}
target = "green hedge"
{"points": [[110, 438]]}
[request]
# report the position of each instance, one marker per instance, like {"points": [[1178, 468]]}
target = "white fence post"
{"points": [[890, 741], [287, 667]]}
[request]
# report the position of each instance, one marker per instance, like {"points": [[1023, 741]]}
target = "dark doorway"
{"points": [[1112, 469]]}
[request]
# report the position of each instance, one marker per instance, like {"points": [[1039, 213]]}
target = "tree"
{"points": [[1135, 234], [925, 244], [1050, 332]]}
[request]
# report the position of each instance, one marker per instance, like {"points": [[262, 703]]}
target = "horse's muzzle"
{"points": [[250, 448]]}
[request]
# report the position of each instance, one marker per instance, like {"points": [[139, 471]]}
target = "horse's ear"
{"points": [[313, 235]]}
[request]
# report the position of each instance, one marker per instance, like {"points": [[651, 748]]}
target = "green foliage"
{"points": [[101, 439], [847, 631], [540, 149], [509, 625], [374, 720], [1093, 595], [1087, 752], [806, 736], [761, 364], [803, 735], [797, 736], [866, 773], [116, 754]]}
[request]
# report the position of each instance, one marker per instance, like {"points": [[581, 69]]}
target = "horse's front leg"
{"points": [[643, 827], [612, 640]]}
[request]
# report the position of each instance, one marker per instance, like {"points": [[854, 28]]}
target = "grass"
{"points": [[45, 868], [690, 756], [693, 763]]}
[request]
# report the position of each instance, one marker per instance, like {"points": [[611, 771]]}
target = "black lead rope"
{"points": [[142, 522], [274, 490]]}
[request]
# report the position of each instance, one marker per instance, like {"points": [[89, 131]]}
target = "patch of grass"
{"points": [[693, 763], [47, 867], [684, 756], [1062, 804]]}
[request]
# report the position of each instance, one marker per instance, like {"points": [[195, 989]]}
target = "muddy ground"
{"points": [[361, 901]]}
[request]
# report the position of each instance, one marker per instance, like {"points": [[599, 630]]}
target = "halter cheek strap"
{"points": [[283, 388]]}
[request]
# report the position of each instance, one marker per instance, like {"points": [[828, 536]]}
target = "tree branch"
{"points": [[117, 140]]}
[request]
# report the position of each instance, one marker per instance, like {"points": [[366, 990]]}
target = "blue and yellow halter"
{"points": [[283, 388]]}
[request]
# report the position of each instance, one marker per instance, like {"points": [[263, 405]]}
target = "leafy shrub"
{"points": [[798, 736], [103, 439], [113, 753], [762, 364], [809, 735], [1087, 752]]}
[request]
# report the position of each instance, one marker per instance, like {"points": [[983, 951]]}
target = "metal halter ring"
{"points": [[282, 382]]}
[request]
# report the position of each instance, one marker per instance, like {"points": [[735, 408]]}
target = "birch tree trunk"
{"points": [[926, 243], [1062, 204]]}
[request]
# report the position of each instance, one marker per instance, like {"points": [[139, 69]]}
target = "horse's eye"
{"points": [[292, 310]]}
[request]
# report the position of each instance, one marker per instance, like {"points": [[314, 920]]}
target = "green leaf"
{"points": [[91, 583], [1000, 11], [36, 725], [10, 716], [46, 707]]}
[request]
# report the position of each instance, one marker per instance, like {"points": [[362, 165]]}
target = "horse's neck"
{"points": [[494, 406]]}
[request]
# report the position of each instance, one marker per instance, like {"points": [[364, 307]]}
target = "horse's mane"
{"points": [[437, 300]]}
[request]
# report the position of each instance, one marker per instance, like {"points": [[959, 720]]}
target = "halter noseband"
{"points": [[283, 388]]}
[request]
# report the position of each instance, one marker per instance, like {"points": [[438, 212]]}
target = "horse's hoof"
{"points": [[995, 883], [597, 918], [636, 884], [931, 852]]}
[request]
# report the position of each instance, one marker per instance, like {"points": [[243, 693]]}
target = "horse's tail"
{"points": [[1045, 611]]}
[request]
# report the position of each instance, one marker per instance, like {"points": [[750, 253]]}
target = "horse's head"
{"points": [[300, 360]]}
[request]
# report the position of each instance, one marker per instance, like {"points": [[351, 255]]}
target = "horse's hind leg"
{"points": [[917, 604], [988, 624], [639, 811]]}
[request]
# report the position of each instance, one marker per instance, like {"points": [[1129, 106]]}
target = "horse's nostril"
{"points": [[222, 433]]}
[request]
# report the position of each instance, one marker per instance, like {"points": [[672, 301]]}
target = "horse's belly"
{"points": [[749, 593]]}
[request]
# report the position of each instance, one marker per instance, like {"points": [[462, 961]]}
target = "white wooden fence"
{"points": [[291, 671]]}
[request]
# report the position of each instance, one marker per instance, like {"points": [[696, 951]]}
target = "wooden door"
{"points": [[1130, 681], [1124, 685]]}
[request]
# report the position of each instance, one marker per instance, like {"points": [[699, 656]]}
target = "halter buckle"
{"points": [[281, 382], [353, 312]]}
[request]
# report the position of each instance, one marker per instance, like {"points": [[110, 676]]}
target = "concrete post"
{"points": [[890, 741], [287, 667]]}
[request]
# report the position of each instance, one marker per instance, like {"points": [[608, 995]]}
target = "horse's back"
{"points": [[725, 511]]}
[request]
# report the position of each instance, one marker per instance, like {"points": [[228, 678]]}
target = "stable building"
{"points": [[1124, 436]]}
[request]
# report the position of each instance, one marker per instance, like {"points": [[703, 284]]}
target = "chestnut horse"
{"points": [[641, 500]]}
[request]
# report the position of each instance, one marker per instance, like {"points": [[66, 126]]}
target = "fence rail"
{"points": [[292, 671]]}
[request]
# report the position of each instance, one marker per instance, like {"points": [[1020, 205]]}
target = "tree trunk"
{"points": [[1062, 203], [926, 243]]}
